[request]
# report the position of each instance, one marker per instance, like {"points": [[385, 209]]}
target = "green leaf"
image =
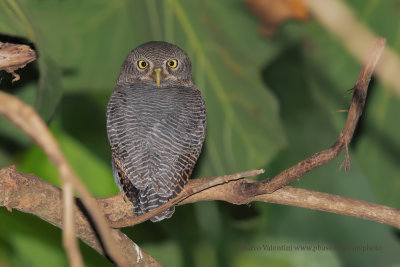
{"points": [[30, 241], [49, 88], [243, 128], [166, 252]]}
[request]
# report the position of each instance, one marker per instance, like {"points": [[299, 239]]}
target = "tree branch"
{"points": [[188, 191], [29, 194], [21, 192]]}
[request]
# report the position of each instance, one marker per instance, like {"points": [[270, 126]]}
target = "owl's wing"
{"points": [[156, 136]]}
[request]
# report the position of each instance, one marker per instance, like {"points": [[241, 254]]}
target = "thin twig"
{"points": [[355, 111], [211, 182], [70, 242]]}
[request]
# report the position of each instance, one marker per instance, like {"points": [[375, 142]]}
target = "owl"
{"points": [[156, 124]]}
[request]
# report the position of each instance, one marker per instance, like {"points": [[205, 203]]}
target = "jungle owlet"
{"points": [[156, 123]]}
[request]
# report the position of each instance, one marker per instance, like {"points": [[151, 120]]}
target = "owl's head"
{"points": [[157, 63]]}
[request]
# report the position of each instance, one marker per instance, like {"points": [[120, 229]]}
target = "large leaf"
{"points": [[243, 126]]}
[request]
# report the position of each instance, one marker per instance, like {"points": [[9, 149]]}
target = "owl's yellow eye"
{"points": [[142, 64], [172, 63]]}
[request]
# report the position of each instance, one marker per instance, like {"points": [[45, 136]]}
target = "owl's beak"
{"points": [[157, 75]]}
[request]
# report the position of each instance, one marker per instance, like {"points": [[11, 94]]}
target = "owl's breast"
{"points": [[157, 117]]}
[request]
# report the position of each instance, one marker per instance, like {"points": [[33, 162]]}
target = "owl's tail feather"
{"points": [[143, 200], [148, 200]]}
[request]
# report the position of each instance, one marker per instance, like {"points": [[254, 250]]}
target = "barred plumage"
{"points": [[155, 132]]}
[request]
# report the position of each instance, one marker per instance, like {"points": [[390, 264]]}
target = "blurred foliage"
{"points": [[270, 103]]}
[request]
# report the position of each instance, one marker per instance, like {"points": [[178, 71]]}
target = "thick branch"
{"points": [[29, 194]]}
